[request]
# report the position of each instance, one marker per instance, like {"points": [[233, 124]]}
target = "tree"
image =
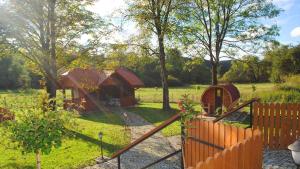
{"points": [[215, 27], [13, 73], [153, 17], [39, 27], [248, 69], [285, 60], [38, 130]]}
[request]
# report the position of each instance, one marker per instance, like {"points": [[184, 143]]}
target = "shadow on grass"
{"points": [[107, 146], [153, 115], [16, 166], [102, 117]]}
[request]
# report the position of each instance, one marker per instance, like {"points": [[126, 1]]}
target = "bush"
{"points": [[38, 130], [173, 81], [292, 83]]}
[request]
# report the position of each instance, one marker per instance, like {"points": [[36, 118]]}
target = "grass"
{"points": [[76, 152], [152, 113], [83, 149], [195, 92], [151, 98], [268, 92]]}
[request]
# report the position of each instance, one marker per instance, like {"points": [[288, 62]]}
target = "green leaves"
{"points": [[39, 129]]}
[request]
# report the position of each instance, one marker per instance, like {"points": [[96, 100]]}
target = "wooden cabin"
{"points": [[219, 96], [91, 88]]}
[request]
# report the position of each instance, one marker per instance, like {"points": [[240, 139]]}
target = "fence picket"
{"points": [[193, 143], [216, 137], [279, 123], [197, 135], [211, 138], [239, 151], [255, 115], [228, 136], [202, 133], [266, 123], [294, 127], [271, 128], [283, 131]]}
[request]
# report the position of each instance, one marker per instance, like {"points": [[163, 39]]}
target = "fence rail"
{"points": [[208, 142], [279, 123]]}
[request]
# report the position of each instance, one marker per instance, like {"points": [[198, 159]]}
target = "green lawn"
{"points": [[151, 98], [85, 147], [75, 152], [268, 92], [152, 113], [195, 91]]}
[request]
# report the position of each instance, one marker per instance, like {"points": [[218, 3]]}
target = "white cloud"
{"points": [[284, 4], [295, 32]]}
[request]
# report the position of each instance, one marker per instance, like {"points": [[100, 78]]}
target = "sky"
{"points": [[288, 21]]}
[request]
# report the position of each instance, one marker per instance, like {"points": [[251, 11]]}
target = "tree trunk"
{"points": [[38, 159], [52, 76], [163, 73], [214, 73]]}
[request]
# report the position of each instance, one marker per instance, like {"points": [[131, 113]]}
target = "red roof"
{"points": [[91, 78], [82, 78], [130, 77]]}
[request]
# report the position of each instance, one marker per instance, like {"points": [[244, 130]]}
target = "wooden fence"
{"points": [[279, 123], [208, 143]]}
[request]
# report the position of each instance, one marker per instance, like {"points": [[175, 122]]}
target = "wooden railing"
{"points": [[279, 123], [206, 139], [144, 137]]}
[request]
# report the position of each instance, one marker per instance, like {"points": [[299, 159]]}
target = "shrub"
{"points": [[292, 83], [173, 81], [38, 130], [280, 96]]}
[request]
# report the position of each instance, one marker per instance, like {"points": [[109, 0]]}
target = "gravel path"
{"points": [[146, 152], [278, 159]]}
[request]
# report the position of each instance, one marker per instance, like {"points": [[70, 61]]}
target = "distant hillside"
{"points": [[224, 66]]}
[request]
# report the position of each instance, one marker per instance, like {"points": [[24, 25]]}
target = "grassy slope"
{"points": [[75, 152]]}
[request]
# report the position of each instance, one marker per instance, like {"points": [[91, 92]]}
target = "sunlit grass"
{"points": [[75, 152]]}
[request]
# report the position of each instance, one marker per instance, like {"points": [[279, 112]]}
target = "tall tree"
{"points": [[39, 27], [226, 27], [153, 17]]}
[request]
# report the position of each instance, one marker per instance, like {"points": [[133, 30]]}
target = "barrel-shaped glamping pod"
{"points": [[218, 96]]}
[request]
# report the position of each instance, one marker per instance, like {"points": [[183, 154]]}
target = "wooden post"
{"points": [[183, 134], [251, 114], [64, 94], [38, 159]]}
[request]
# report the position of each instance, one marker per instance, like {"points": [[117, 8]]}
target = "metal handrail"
{"points": [[144, 137], [205, 142], [147, 135], [162, 159], [237, 109]]}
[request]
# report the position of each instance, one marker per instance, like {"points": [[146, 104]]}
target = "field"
{"points": [[151, 98], [83, 149], [268, 92], [75, 152]]}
